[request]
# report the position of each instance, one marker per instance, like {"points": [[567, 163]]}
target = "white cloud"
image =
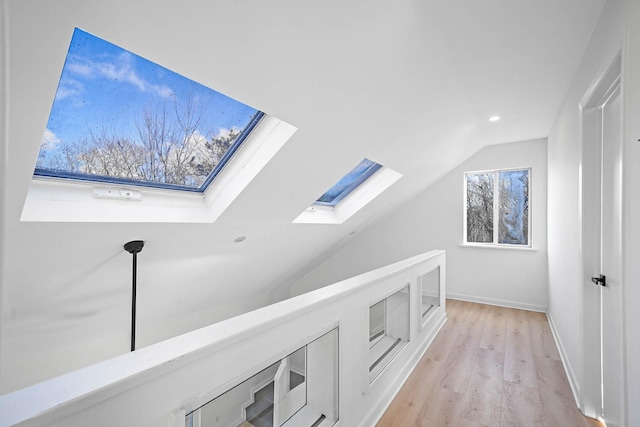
{"points": [[224, 133], [81, 68], [135, 80], [49, 140], [164, 91], [197, 139], [121, 68], [68, 88]]}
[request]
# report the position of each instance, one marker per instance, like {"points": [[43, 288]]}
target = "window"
{"points": [[497, 207], [348, 183], [119, 118], [130, 141]]}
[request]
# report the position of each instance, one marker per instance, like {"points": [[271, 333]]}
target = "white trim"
{"points": [[498, 302], [499, 246], [270, 135], [571, 376]]}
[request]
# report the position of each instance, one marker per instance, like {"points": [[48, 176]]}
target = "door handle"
{"points": [[601, 280]]}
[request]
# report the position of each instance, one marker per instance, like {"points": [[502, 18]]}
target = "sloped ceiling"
{"points": [[409, 84]]}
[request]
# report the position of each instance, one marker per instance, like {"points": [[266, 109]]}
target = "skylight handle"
{"points": [[133, 247]]}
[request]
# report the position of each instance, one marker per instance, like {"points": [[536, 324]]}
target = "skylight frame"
{"points": [[373, 168], [84, 61], [362, 195], [232, 150]]}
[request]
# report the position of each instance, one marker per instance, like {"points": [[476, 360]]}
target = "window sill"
{"points": [[500, 247]]}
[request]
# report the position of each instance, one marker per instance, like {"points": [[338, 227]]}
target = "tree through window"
{"points": [[120, 118], [497, 207]]}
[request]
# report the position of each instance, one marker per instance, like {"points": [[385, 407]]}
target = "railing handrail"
{"points": [[113, 376]]}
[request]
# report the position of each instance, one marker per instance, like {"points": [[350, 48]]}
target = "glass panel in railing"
{"points": [[322, 383], [290, 387], [376, 322], [297, 368], [429, 291], [250, 401], [386, 346], [300, 390]]}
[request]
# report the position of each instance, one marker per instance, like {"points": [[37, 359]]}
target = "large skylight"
{"points": [[120, 118], [348, 183]]}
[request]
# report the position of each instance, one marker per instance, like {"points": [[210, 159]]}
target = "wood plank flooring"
{"points": [[488, 366]]}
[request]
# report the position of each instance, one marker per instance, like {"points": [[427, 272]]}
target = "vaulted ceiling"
{"points": [[409, 84]]}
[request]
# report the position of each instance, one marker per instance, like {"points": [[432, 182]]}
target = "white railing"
{"points": [[157, 385]]}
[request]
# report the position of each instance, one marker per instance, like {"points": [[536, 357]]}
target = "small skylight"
{"points": [[348, 183], [351, 193], [119, 118]]}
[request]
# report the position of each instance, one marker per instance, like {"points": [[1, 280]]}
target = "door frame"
{"points": [[589, 396]]}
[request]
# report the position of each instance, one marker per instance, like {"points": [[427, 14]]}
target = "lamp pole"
{"points": [[133, 248]]}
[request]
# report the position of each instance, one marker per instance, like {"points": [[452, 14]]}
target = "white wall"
{"points": [[434, 219], [631, 215], [565, 155], [564, 174]]}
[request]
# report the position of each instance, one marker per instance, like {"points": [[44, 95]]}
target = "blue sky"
{"points": [[105, 86], [349, 182]]}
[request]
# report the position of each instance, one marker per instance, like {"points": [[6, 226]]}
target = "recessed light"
{"points": [[494, 118], [239, 239]]}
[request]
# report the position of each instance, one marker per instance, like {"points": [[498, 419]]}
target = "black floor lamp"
{"points": [[134, 247]]}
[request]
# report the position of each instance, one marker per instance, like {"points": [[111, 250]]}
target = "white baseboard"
{"points": [[568, 369], [383, 403], [498, 302]]}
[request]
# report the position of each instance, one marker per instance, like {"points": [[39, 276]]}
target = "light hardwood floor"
{"points": [[488, 366]]}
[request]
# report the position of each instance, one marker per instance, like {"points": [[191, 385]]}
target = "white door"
{"points": [[611, 338]]}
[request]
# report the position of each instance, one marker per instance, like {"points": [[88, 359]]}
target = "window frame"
{"points": [[496, 210], [377, 337], [377, 369], [87, 47], [61, 200], [383, 178], [360, 179]]}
